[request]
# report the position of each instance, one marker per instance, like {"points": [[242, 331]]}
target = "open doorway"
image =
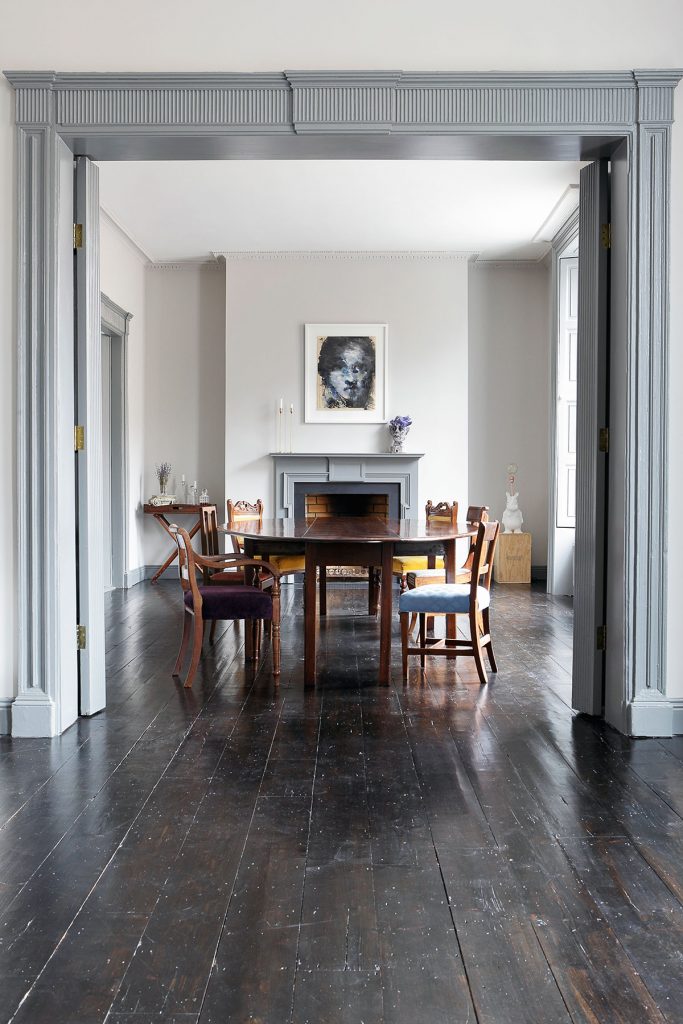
{"points": [[573, 126]]}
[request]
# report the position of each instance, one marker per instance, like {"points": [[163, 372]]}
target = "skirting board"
{"points": [[135, 576], [6, 715]]}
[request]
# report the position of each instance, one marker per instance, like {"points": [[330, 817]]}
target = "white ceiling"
{"points": [[186, 210]]}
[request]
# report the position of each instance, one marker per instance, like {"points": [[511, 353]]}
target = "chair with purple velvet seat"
{"points": [[231, 601]]}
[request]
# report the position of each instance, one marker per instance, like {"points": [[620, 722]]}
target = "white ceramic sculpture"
{"points": [[512, 516]]}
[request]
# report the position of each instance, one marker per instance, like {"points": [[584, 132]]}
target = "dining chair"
{"points": [[244, 511], [424, 577], [230, 602], [443, 512], [472, 599]]}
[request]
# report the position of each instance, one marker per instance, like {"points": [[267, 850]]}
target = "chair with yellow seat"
{"points": [[443, 512], [245, 511]]}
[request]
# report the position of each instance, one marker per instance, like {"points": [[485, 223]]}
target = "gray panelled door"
{"points": [[592, 361]]}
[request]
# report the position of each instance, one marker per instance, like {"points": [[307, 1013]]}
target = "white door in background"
{"points": [[106, 462], [565, 441]]}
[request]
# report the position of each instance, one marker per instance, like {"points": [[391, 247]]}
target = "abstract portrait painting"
{"points": [[346, 373]]}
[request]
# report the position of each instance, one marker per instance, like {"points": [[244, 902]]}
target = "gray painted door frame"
{"points": [[116, 322], [371, 114]]}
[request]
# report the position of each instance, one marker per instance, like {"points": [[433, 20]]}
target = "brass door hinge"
{"points": [[80, 638], [603, 440], [606, 236], [78, 236], [602, 638], [79, 438]]}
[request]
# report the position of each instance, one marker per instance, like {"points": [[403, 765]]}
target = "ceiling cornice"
{"points": [[343, 254]]}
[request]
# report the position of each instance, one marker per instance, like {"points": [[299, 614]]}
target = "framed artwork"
{"points": [[345, 373]]}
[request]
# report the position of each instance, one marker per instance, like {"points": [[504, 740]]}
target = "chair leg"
{"points": [[248, 640], [413, 623], [489, 647], [405, 631], [187, 629], [198, 636], [322, 586], [276, 647], [258, 627], [476, 648], [212, 632], [422, 639]]}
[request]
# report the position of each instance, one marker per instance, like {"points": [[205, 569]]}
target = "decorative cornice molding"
{"points": [[125, 235], [568, 232], [356, 102], [211, 262], [341, 254]]}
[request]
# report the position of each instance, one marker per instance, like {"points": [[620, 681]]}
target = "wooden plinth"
{"points": [[513, 558]]}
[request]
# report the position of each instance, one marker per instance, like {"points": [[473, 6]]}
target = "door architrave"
{"points": [[371, 114]]}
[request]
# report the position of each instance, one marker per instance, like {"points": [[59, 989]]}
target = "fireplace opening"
{"points": [[313, 499], [319, 505]]}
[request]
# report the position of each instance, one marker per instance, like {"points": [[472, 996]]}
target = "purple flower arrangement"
{"points": [[399, 427], [400, 423]]}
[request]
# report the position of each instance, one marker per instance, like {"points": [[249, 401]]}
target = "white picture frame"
{"points": [[347, 353]]}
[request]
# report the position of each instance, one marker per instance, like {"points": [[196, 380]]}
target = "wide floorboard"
{"points": [[433, 853]]}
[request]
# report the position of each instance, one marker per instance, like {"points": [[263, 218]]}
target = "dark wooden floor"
{"points": [[423, 854]]}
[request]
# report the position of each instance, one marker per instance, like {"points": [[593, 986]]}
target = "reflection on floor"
{"points": [[432, 853]]}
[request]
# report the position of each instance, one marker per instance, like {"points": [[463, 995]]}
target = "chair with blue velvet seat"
{"points": [[210, 602], [471, 599]]}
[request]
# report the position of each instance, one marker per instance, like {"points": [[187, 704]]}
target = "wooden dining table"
{"points": [[352, 540]]}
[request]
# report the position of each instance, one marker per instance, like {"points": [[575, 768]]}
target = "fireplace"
{"points": [[357, 477]]}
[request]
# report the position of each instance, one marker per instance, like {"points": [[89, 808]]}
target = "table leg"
{"points": [[309, 616], [385, 615], [449, 564], [164, 523]]}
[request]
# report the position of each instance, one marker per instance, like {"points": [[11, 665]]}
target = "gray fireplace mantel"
{"points": [[352, 467]]}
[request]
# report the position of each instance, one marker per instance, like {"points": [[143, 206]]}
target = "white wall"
{"points": [[123, 272], [508, 391], [436, 34], [184, 387], [424, 302]]}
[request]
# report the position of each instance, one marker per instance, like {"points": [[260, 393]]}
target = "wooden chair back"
{"points": [[209, 529], [475, 514], [186, 564], [443, 512], [478, 514], [242, 512], [484, 553]]}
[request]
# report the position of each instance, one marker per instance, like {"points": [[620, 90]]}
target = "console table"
{"points": [[160, 512]]}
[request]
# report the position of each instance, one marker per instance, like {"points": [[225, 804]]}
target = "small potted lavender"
{"points": [[163, 471], [399, 427]]}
